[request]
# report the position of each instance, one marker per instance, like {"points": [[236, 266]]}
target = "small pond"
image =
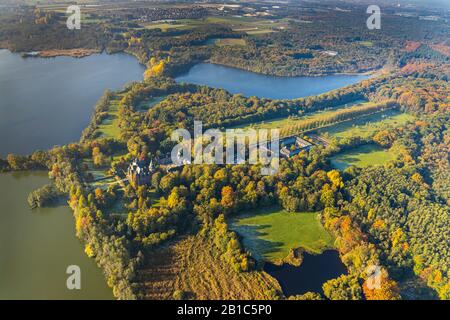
{"points": [[313, 272]]}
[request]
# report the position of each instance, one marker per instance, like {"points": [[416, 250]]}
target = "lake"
{"points": [[47, 102], [37, 246], [264, 86], [313, 272]]}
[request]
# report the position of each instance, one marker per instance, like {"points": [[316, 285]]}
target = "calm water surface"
{"points": [[44, 102], [47, 102], [253, 84], [37, 246], [313, 272]]}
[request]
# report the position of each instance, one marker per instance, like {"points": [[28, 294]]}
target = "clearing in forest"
{"points": [[363, 156], [270, 234]]}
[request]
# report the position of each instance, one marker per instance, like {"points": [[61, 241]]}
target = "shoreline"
{"points": [[363, 73], [74, 53], [85, 52]]}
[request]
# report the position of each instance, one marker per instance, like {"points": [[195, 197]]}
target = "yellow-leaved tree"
{"points": [[155, 68]]}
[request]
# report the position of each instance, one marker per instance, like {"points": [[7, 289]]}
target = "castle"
{"points": [[139, 173]]}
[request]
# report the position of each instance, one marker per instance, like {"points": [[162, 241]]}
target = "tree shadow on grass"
{"points": [[251, 236]]}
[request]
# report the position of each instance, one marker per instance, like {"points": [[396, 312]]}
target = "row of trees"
{"points": [[335, 117], [106, 244], [218, 108]]}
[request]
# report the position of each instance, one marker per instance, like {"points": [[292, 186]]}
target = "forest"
{"points": [[394, 215]]}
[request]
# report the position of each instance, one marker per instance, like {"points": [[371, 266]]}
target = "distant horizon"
{"points": [[444, 3]]}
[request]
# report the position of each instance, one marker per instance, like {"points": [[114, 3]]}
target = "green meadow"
{"points": [[148, 103], [363, 156], [164, 26], [271, 233], [230, 42], [110, 125], [287, 121], [366, 126]]}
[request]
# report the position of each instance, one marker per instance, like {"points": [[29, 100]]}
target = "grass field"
{"points": [[230, 42], [366, 126], [368, 44], [364, 156], [148, 103], [109, 126], [259, 31], [164, 26], [282, 122], [100, 175], [270, 234]]}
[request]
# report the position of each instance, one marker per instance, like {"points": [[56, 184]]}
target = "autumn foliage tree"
{"points": [[228, 197], [385, 289], [155, 68]]}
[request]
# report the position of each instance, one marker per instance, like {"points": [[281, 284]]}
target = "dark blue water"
{"points": [[313, 272], [47, 102], [253, 84]]}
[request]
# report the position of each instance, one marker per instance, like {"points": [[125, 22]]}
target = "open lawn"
{"points": [[259, 31], [109, 127], [230, 42], [364, 156], [365, 126], [164, 26], [118, 209], [368, 44], [287, 121], [100, 176], [271, 233], [148, 103]]}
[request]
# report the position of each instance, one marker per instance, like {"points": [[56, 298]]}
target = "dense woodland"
{"points": [[396, 216]]}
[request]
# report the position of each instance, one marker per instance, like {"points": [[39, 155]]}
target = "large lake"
{"points": [[253, 84], [47, 102], [37, 246]]}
